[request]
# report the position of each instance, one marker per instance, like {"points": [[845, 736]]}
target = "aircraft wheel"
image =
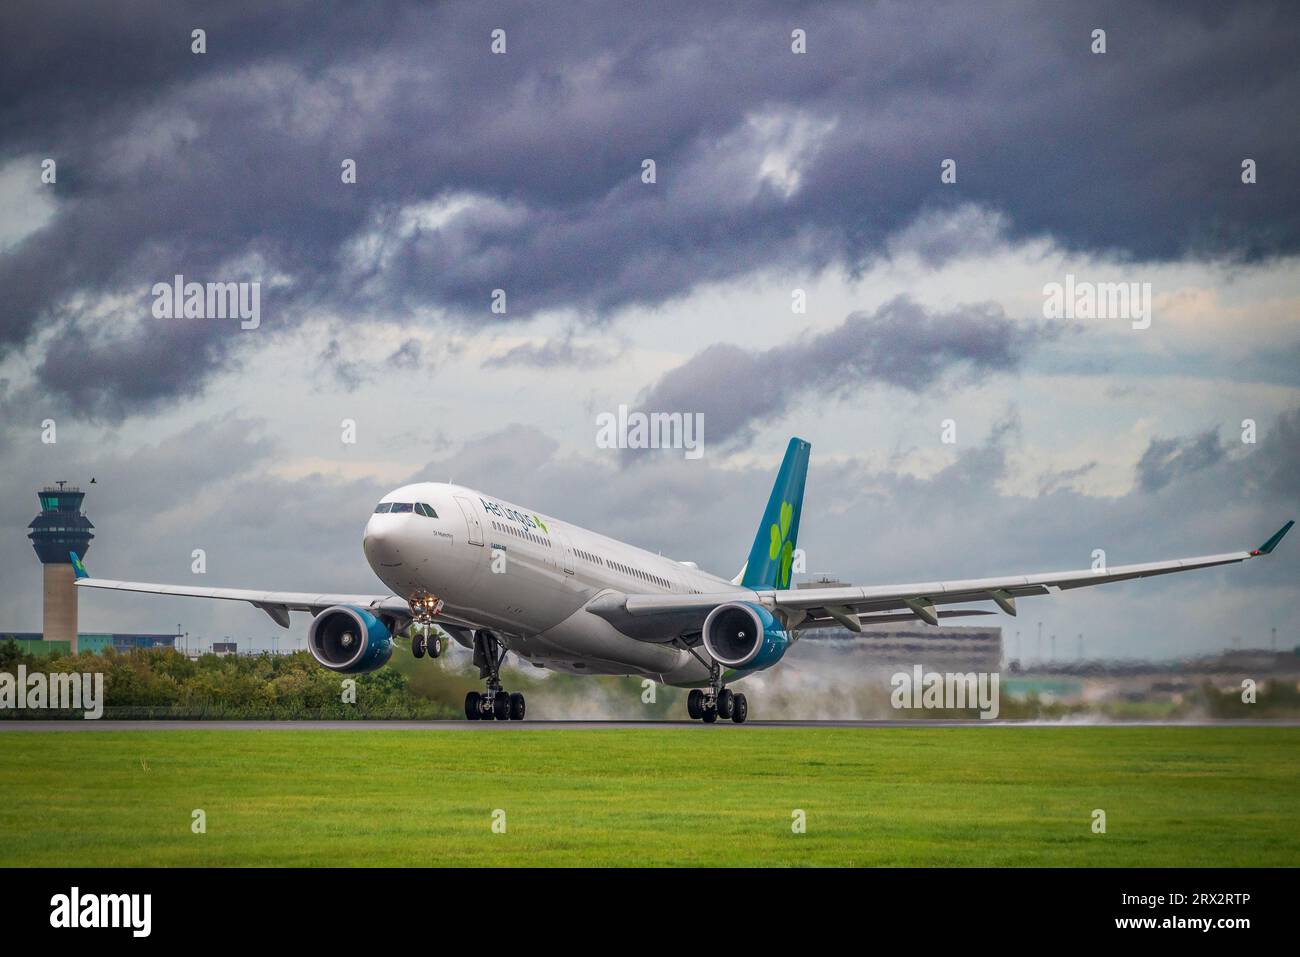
{"points": [[417, 645], [710, 715], [695, 704], [501, 706], [516, 707], [740, 709], [471, 706], [726, 700]]}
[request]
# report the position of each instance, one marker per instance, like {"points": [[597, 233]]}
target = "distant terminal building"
{"points": [[60, 529], [225, 649], [938, 648], [33, 644]]}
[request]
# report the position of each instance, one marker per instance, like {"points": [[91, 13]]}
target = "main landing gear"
{"points": [[714, 702], [495, 703]]}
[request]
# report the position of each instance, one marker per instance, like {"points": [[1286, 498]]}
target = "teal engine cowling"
{"points": [[349, 640], [745, 636]]}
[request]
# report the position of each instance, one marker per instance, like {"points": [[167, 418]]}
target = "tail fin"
{"points": [[772, 554]]}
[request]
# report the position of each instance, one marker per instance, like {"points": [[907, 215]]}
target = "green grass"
{"points": [[720, 796]]}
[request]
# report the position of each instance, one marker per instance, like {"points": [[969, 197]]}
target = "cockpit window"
{"points": [[424, 509], [402, 507], [383, 507]]}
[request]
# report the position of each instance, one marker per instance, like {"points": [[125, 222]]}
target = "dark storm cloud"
{"points": [[900, 344], [1167, 459], [226, 166]]}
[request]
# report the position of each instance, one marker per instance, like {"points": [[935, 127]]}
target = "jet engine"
{"points": [[744, 636], [349, 640]]}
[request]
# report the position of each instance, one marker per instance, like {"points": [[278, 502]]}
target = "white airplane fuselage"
{"points": [[528, 577]]}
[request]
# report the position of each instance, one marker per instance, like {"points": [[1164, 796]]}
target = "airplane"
{"points": [[501, 578]]}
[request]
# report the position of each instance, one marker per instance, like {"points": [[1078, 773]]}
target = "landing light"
{"points": [[425, 607]]}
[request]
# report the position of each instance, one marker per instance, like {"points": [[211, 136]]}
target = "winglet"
{"points": [[1271, 544], [78, 568]]}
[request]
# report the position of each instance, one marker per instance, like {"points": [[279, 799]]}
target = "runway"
{"points": [[722, 727]]}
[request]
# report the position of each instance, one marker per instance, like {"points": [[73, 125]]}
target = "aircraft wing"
{"points": [[287, 601], [852, 606], [277, 604]]}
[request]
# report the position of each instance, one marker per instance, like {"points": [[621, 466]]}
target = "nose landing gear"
{"points": [[496, 703], [424, 608], [425, 643]]}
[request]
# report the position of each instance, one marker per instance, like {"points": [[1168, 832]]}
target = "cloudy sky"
{"points": [[775, 172]]}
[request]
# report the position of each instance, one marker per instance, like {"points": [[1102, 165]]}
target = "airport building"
{"points": [[32, 643], [938, 648]]}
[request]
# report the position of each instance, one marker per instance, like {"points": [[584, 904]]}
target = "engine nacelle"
{"points": [[349, 640], [744, 636]]}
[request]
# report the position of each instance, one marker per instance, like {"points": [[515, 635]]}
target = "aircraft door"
{"points": [[472, 522]]}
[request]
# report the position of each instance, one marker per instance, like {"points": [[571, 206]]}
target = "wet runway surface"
{"points": [[490, 726]]}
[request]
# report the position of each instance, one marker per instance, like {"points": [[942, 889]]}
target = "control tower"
{"points": [[59, 529]]}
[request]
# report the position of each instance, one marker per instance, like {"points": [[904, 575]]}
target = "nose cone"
{"points": [[388, 541]]}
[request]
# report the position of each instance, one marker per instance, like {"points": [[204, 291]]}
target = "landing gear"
{"points": [[726, 700], [496, 703], [695, 704], [714, 702], [740, 709], [423, 610], [501, 706], [425, 644]]}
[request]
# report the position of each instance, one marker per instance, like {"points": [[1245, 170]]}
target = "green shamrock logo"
{"points": [[781, 544]]}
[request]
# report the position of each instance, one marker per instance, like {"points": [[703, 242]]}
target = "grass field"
{"points": [[941, 796]]}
